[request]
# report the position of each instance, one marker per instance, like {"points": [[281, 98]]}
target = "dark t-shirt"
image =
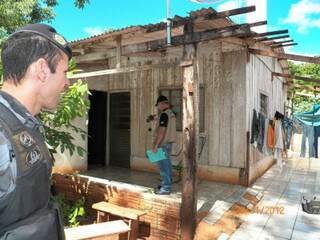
{"points": [[163, 120]]}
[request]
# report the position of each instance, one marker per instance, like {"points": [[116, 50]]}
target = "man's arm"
{"points": [[160, 136]]}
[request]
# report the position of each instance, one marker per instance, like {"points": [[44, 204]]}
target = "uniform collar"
{"points": [[20, 111]]}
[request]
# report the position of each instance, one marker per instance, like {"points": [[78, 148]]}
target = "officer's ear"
{"points": [[41, 69]]}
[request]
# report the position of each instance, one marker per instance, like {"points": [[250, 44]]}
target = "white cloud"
{"points": [[228, 5], [305, 14], [291, 51], [94, 30]]}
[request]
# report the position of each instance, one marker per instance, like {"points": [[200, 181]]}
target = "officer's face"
{"points": [[57, 84], [161, 106]]}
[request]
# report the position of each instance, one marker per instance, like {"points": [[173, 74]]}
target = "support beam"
{"points": [[118, 51], [231, 12], [265, 39], [289, 76], [271, 33], [120, 70], [178, 21], [281, 42], [190, 129], [303, 87], [284, 45], [306, 95], [293, 57]]}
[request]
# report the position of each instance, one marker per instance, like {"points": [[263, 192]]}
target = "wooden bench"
{"points": [[104, 209], [97, 231]]}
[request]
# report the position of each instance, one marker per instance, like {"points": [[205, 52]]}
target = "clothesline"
{"points": [[271, 136]]}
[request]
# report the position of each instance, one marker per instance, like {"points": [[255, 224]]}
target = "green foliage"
{"points": [[304, 103], [71, 213], [14, 14], [72, 105]]}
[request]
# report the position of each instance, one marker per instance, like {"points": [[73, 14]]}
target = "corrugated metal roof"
{"points": [[152, 26]]}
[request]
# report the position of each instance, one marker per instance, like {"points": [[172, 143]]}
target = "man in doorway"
{"points": [[35, 63], [164, 138]]}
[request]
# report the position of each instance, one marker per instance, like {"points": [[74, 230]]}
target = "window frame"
{"points": [[263, 94], [201, 120]]}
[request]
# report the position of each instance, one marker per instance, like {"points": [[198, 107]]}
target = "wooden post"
{"points": [[190, 129], [119, 50]]}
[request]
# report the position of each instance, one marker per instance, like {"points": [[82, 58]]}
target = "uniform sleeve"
{"points": [[7, 168], [163, 120]]}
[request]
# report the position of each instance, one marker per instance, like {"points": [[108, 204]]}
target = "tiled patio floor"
{"points": [[299, 177]]}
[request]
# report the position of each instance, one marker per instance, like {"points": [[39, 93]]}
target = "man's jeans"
{"points": [[316, 136], [307, 132], [166, 169]]}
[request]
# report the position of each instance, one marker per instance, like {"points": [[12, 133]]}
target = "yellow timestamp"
{"points": [[268, 210]]}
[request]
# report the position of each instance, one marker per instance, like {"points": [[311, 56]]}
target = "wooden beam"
{"points": [[271, 33], [120, 70], [118, 51], [190, 129], [306, 95], [293, 57], [281, 42], [239, 26], [304, 87], [265, 39], [284, 45], [289, 76], [229, 13], [179, 21]]}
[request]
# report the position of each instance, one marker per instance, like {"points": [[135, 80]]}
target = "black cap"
{"points": [[161, 98], [48, 33]]}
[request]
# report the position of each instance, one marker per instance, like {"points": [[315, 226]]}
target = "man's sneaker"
{"points": [[162, 192]]}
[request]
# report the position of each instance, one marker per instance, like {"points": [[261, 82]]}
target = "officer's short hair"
{"points": [[27, 45]]}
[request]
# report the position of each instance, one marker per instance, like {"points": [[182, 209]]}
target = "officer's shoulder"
{"points": [[3, 138]]}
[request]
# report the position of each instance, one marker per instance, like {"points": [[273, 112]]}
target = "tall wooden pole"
{"points": [[190, 129]]}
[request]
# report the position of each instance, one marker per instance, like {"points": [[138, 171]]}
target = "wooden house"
{"points": [[235, 70]]}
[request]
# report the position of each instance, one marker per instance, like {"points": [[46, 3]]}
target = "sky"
{"points": [[300, 17]]}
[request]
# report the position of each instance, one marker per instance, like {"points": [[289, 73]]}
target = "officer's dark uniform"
{"points": [[26, 211]]}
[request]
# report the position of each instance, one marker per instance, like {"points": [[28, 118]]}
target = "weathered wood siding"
{"points": [[223, 76]]}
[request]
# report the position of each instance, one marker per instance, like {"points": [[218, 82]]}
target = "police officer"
{"points": [[165, 137], [35, 62]]}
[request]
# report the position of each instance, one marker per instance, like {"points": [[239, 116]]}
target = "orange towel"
{"points": [[271, 138]]}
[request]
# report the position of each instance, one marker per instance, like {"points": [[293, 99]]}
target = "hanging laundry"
{"points": [[307, 134], [254, 127], [271, 137], [315, 143], [278, 144], [287, 125], [266, 150], [261, 126]]}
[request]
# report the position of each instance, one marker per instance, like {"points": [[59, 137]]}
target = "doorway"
{"points": [[97, 129], [119, 138]]}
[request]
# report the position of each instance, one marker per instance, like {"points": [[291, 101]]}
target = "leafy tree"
{"points": [[14, 14], [304, 103]]}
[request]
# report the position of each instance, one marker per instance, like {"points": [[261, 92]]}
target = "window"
{"points": [[264, 104], [175, 99]]}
